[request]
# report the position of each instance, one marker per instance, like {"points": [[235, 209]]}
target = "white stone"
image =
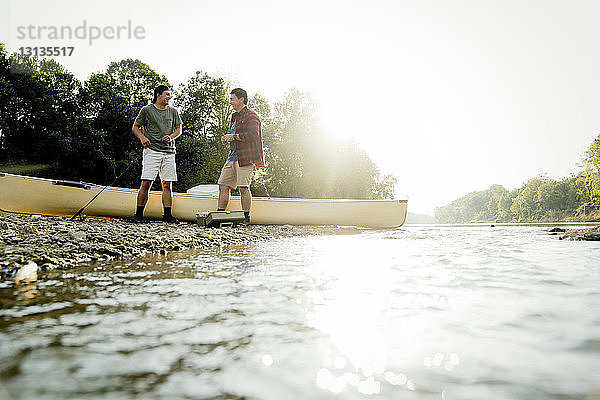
{"points": [[27, 273]]}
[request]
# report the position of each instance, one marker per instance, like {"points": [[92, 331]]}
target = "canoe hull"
{"points": [[28, 195]]}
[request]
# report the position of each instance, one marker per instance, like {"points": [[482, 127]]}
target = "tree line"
{"points": [[53, 125], [540, 199]]}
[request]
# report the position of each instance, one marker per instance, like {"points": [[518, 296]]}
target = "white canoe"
{"points": [[28, 195]]}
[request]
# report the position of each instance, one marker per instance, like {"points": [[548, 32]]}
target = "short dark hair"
{"points": [[158, 91], [239, 93]]}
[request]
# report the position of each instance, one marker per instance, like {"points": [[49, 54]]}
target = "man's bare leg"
{"points": [[167, 201], [167, 195], [142, 199], [223, 197], [246, 196]]}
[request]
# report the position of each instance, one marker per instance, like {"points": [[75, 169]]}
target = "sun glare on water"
{"points": [[355, 309]]}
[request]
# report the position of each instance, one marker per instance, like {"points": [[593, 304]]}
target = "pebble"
{"points": [[78, 235]]}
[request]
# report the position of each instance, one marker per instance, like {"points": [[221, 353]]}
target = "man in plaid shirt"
{"points": [[245, 152]]}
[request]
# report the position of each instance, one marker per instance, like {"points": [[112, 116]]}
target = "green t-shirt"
{"points": [[159, 123]]}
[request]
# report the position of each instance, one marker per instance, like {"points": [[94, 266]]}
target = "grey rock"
{"points": [[78, 235], [29, 229], [591, 234], [556, 231]]}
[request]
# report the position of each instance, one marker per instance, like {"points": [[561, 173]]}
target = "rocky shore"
{"points": [[582, 234], [29, 244]]}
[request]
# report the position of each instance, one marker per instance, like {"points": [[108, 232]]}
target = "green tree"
{"points": [[261, 106], [526, 205], [39, 105], [6, 94], [302, 160], [488, 205], [582, 193], [592, 173], [556, 195], [495, 206], [504, 213], [384, 187], [113, 99], [204, 104]]}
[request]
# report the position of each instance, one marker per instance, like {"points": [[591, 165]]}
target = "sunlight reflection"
{"points": [[395, 379], [267, 360], [370, 386], [438, 360], [324, 378], [26, 293], [327, 380], [351, 379], [380, 315], [339, 362], [351, 304]]}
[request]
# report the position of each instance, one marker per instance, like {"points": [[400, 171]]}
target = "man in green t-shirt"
{"points": [[156, 126]]}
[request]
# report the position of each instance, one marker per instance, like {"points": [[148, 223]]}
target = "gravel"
{"points": [[57, 242]]}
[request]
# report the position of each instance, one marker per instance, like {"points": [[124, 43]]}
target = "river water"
{"points": [[421, 312]]}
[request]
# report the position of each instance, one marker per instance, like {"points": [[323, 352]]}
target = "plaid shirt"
{"points": [[248, 137]]}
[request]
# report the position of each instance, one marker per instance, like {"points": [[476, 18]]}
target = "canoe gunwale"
{"points": [[75, 184]]}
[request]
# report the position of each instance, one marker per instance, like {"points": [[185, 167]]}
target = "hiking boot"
{"points": [[135, 220], [170, 220], [245, 222]]}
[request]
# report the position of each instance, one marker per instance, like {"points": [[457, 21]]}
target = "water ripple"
{"points": [[418, 312]]}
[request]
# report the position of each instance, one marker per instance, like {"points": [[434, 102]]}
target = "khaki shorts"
{"points": [[156, 162], [233, 175]]}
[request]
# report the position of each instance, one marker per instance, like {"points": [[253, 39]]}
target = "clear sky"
{"points": [[448, 96]]}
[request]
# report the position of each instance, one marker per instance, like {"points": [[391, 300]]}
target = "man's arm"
{"points": [[243, 135], [137, 131], [175, 134]]}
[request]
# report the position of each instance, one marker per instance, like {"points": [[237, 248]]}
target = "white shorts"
{"points": [[154, 162]]}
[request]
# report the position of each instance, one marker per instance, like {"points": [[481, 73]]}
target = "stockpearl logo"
{"points": [[90, 33]]}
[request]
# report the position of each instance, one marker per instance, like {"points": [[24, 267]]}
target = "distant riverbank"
{"points": [[589, 217], [56, 242], [556, 218]]}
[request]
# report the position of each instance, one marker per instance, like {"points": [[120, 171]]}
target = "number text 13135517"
{"points": [[48, 51]]}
